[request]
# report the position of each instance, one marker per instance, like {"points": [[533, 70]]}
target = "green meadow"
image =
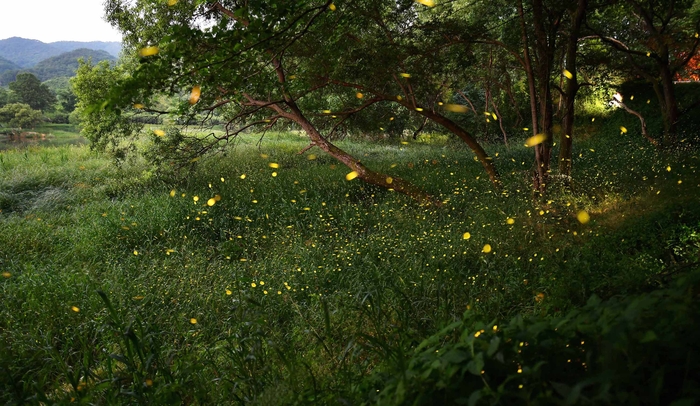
{"points": [[261, 276]]}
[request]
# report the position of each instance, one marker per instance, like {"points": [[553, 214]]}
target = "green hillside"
{"points": [[60, 66], [66, 64], [113, 48], [8, 76], [6, 65], [58, 83]]}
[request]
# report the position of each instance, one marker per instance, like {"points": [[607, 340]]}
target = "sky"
{"points": [[56, 20]]}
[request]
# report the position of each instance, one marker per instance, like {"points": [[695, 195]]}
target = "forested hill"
{"points": [[6, 65], [112, 48], [26, 53], [60, 65], [67, 63]]}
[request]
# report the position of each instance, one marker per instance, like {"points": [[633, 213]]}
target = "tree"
{"points": [[4, 96], [657, 40], [29, 90], [67, 99], [325, 66], [19, 115], [239, 66], [528, 33], [62, 88], [571, 86], [105, 128], [400, 56]]}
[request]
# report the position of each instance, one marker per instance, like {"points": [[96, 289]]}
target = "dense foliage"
{"points": [[639, 349], [28, 89], [19, 115], [262, 65], [6, 65]]}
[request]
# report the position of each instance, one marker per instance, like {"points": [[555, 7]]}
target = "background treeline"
{"points": [[24, 64]]}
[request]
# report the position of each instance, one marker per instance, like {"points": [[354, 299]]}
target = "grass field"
{"points": [[242, 282]]}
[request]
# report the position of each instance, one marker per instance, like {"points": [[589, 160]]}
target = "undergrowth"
{"points": [[237, 281]]}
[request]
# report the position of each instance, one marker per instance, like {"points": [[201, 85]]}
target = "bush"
{"points": [[57, 117], [642, 349], [20, 115]]}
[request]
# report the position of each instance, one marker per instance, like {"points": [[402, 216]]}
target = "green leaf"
{"points": [[493, 346], [649, 336], [454, 356], [561, 388], [476, 365], [474, 398]]}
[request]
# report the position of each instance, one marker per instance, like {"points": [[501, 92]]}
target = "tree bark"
{"points": [[570, 90], [482, 156], [670, 111], [500, 122], [544, 44], [527, 62], [643, 122], [364, 173], [420, 129]]}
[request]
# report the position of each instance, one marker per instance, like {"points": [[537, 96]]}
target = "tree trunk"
{"points": [[508, 87], [543, 151], [570, 90], [482, 156], [487, 97], [367, 175], [527, 59], [670, 105], [420, 129], [500, 122], [643, 122], [545, 56]]}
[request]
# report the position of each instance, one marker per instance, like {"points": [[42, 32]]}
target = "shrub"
{"points": [[20, 115], [641, 349]]}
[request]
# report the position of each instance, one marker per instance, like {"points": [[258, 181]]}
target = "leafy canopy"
{"points": [[31, 91], [19, 115]]}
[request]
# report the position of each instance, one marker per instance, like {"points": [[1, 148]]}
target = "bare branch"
{"points": [[306, 148], [641, 119], [464, 96], [217, 105]]}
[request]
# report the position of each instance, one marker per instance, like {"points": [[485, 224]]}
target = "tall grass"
{"points": [[123, 285]]}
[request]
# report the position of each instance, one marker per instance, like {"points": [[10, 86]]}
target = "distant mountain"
{"points": [[63, 65], [6, 65], [28, 52], [67, 63], [8, 76], [113, 48]]}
